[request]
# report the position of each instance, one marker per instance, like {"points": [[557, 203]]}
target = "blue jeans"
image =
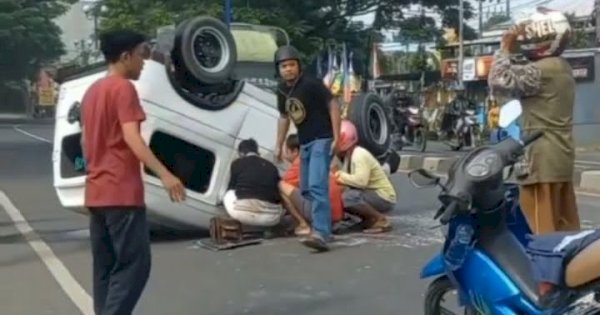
{"points": [[315, 160]]}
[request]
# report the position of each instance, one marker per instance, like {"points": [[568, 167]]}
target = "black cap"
{"points": [[287, 52]]}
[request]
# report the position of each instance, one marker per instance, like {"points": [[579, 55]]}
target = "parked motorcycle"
{"points": [[408, 120], [466, 130], [414, 130], [484, 258]]}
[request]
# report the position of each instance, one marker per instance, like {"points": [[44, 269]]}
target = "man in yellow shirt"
{"points": [[493, 114], [368, 191]]}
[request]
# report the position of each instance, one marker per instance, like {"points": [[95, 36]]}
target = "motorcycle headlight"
{"points": [[482, 164], [478, 170]]}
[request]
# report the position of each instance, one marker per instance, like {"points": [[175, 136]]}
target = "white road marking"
{"points": [[19, 130], [587, 162], [61, 274]]}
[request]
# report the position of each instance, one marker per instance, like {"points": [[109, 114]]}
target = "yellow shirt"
{"points": [[366, 173]]}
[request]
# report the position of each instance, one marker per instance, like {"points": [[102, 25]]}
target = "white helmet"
{"points": [[545, 33]]}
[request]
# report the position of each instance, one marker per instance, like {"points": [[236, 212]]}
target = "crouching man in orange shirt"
{"points": [[292, 197]]}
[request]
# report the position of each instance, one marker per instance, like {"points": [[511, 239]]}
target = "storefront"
{"points": [[586, 117]]}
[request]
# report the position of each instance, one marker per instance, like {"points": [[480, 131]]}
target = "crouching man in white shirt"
{"points": [[253, 197]]}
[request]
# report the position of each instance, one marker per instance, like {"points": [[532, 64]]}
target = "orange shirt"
{"points": [[292, 177]]}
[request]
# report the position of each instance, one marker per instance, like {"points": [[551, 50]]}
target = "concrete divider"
{"points": [[439, 165], [410, 162], [590, 180]]}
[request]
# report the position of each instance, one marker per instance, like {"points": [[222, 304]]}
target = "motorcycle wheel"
{"points": [[435, 296], [420, 139]]}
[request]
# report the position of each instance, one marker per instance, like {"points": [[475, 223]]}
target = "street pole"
{"points": [[96, 46], [597, 11], [460, 42], [480, 18], [228, 12], [508, 9]]}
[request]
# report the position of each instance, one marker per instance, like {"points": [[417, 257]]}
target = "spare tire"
{"points": [[204, 49], [369, 115]]}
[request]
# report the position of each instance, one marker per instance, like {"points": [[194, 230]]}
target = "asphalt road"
{"points": [[362, 275]]}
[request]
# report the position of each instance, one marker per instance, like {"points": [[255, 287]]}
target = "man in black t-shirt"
{"points": [[316, 114], [255, 181]]}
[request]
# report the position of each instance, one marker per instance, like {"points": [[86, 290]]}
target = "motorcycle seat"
{"points": [[505, 249], [584, 267]]}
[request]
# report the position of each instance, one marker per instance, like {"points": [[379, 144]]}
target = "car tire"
{"points": [[204, 49], [369, 115]]}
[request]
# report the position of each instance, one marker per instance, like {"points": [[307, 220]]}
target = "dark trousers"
{"points": [[121, 253]]}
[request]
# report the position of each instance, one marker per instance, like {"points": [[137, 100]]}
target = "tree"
{"points": [[29, 36], [449, 10], [579, 38], [311, 24]]}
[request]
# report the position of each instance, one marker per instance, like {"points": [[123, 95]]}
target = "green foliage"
{"points": [[311, 24], [579, 38], [29, 36]]}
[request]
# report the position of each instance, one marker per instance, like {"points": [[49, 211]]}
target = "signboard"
{"points": [[45, 89], [46, 96], [449, 69], [583, 68], [469, 73], [484, 64]]}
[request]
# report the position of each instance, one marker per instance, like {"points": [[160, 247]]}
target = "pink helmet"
{"points": [[348, 135]]}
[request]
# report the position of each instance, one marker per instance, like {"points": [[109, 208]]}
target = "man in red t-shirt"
{"points": [[114, 192], [289, 187]]}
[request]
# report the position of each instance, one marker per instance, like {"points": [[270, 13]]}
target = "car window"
{"points": [[254, 46]]}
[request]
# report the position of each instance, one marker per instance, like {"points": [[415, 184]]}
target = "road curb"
{"points": [[434, 164], [18, 119], [588, 180]]}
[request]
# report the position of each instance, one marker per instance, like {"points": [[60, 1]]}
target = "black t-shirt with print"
{"points": [[307, 105]]}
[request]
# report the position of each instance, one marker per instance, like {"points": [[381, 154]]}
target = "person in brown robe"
{"points": [[545, 86]]}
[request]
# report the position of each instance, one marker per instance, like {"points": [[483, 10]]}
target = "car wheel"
{"points": [[371, 120], [205, 49]]}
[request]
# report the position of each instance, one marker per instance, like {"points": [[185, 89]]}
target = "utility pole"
{"points": [[460, 42], [481, 18], [228, 12], [597, 11], [508, 9]]}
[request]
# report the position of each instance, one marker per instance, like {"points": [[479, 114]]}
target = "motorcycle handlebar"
{"points": [[508, 149], [532, 137], [449, 212]]}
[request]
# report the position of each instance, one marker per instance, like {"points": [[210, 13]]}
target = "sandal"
{"points": [[302, 231], [381, 226]]}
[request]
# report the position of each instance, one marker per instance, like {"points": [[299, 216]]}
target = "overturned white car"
{"points": [[205, 88]]}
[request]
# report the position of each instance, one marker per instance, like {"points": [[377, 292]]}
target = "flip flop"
{"points": [[379, 228], [302, 232]]}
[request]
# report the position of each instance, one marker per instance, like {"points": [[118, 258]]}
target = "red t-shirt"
{"points": [[292, 177], [114, 175]]}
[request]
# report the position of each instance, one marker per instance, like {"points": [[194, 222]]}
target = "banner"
{"points": [[583, 68]]}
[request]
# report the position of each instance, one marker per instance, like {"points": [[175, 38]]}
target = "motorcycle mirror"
{"points": [[422, 178], [509, 113]]}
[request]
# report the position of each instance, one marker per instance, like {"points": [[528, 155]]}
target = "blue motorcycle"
{"points": [[484, 257]]}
